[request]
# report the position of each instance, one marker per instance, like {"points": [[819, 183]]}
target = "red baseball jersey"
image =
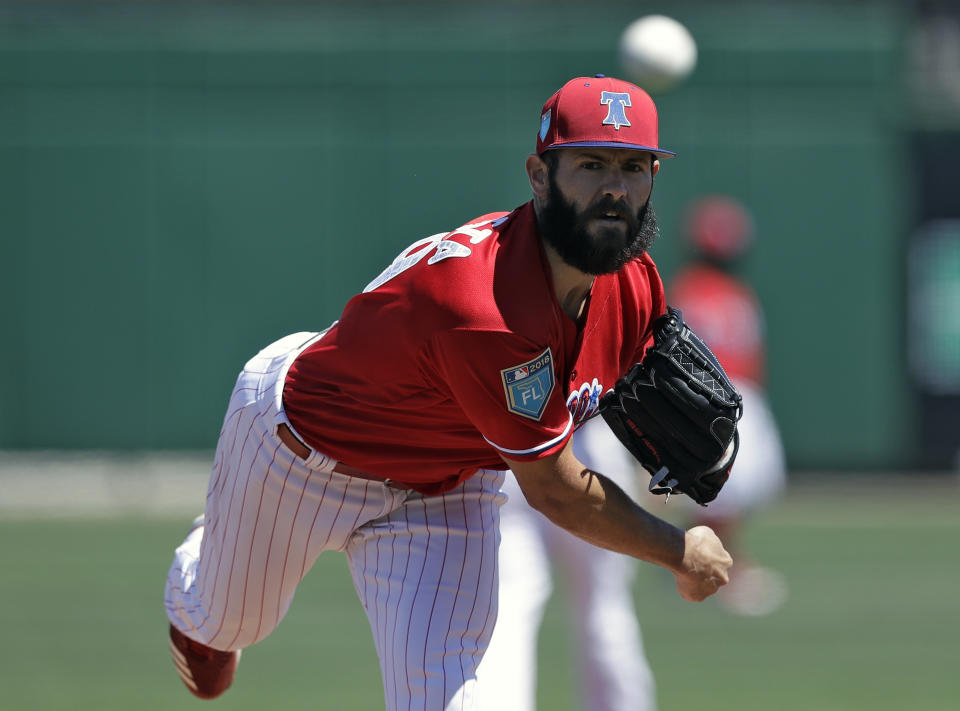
{"points": [[459, 352], [726, 314]]}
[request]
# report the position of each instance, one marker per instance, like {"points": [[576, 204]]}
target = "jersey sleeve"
{"points": [[507, 387]]}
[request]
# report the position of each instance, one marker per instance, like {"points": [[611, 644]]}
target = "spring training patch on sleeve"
{"points": [[528, 386]]}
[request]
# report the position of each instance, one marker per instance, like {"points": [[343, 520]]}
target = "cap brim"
{"points": [[613, 144]]}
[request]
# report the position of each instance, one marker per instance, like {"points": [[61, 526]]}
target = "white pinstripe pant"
{"points": [[424, 567]]}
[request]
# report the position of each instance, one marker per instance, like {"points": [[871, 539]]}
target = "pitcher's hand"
{"points": [[705, 565]]}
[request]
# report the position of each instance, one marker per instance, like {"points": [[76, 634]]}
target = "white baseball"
{"points": [[657, 52]]}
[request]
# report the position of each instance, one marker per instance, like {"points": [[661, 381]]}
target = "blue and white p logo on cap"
{"points": [[616, 103]]}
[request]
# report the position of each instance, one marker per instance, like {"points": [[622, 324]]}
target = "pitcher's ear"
{"points": [[539, 175]]}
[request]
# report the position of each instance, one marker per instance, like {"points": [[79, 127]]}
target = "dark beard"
{"points": [[565, 230]]}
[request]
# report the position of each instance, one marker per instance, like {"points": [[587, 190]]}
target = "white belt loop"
{"points": [[319, 462]]}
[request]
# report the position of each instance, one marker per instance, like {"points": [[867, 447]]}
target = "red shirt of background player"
{"points": [[725, 313], [459, 351]]}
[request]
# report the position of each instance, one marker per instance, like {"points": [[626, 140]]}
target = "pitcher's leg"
{"points": [[426, 575], [268, 516], [233, 579]]}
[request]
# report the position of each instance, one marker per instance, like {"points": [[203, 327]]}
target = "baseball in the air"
{"points": [[657, 52]]}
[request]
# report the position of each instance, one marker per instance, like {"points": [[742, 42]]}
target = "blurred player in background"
{"points": [[613, 673], [722, 308]]}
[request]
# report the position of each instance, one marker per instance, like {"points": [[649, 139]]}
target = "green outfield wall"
{"points": [[182, 186]]}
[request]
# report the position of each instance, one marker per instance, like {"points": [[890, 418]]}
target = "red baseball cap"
{"points": [[600, 111], [719, 226]]}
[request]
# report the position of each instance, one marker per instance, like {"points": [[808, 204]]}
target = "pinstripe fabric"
{"points": [[426, 574], [424, 567]]}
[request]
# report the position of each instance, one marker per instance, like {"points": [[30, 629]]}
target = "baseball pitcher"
{"points": [[477, 349]]}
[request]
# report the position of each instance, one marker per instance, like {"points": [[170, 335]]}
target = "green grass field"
{"points": [[872, 621]]}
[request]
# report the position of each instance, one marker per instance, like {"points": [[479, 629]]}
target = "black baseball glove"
{"points": [[677, 413]]}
